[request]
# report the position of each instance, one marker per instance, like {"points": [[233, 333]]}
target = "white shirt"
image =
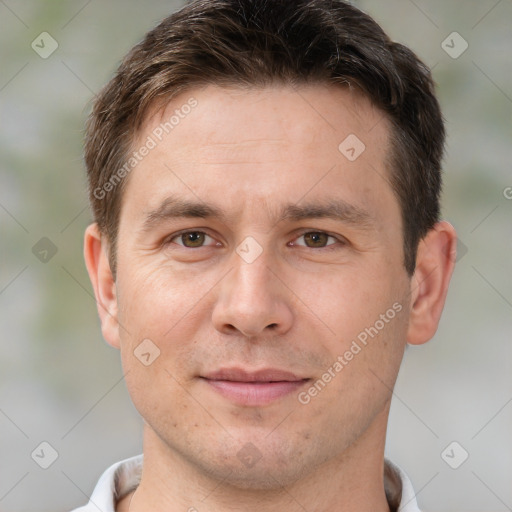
{"points": [[123, 477]]}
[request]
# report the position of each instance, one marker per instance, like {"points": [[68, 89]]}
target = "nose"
{"points": [[252, 300]]}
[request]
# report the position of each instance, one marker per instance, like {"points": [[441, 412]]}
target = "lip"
{"points": [[263, 375], [253, 388]]}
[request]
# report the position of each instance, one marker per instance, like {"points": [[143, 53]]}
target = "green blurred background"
{"points": [[61, 383]]}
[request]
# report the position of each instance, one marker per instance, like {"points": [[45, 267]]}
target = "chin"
{"points": [[243, 466]]}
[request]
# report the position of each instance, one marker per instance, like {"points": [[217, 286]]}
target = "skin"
{"points": [[296, 307]]}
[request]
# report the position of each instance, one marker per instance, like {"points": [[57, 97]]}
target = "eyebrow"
{"points": [[336, 209]]}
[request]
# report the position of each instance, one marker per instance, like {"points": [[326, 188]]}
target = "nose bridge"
{"points": [[251, 297], [253, 260], [253, 281]]}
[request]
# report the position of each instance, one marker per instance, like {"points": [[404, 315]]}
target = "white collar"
{"points": [[123, 477]]}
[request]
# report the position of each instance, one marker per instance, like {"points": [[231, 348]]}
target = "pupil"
{"points": [[194, 239], [316, 238]]}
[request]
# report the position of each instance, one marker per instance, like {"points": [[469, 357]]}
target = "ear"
{"points": [[96, 261], [435, 262]]}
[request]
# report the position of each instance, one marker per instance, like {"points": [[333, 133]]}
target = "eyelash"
{"points": [[329, 247]]}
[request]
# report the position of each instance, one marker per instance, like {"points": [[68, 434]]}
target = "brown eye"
{"points": [[319, 240], [316, 239], [191, 239]]}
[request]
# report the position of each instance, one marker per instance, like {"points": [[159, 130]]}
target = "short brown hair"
{"points": [[254, 43]]}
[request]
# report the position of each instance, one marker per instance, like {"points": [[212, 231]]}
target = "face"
{"points": [[260, 264]]}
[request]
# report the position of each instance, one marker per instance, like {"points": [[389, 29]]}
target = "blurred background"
{"points": [[61, 384]]}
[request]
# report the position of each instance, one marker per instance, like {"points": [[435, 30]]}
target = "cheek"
{"points": [[158, 301], [158, 326], [368, 317], [357, 384], [348, 301], [157, 393]]}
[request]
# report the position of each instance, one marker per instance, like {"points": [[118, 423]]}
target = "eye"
{"points": [[316, 240], [198, 239], [191, 239]]}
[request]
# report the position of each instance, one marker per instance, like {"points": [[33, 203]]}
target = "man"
{"points": [[265, 180]]}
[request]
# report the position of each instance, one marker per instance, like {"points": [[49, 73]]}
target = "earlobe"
{"points": [[98, 267], [435, 262]]}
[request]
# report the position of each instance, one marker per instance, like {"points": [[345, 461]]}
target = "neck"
{"points": [[351, 481]]}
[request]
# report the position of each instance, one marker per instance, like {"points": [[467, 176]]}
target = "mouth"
{"points": [[253, 388]]}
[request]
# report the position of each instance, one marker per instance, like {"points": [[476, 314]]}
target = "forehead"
{"points": [[304, 112], [278, 143]]}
